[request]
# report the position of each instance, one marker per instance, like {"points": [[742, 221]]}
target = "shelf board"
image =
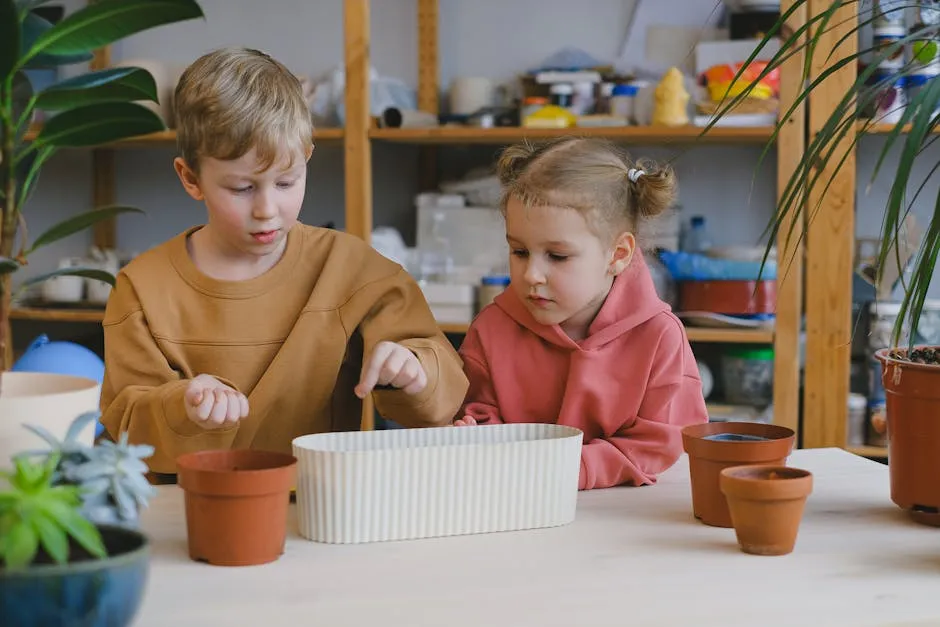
{"points": [[883, 129], [868, 451], [624, 134], [168, 137], [57, 315], [696, 334], [731, 336]]}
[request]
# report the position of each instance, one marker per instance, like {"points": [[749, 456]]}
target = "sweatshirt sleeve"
{"points": [[481, 397], [399, 313], [649, 443], [141, 393]]}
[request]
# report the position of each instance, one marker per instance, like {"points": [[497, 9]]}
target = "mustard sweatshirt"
{"points": [[292, 340]]}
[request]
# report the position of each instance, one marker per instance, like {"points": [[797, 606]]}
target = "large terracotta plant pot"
{"points": [[766, 504], [714, 446], [912, 403], [85, 591], [236, 504], [50, 401]]}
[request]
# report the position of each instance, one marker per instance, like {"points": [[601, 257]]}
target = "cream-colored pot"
{"points": [[51, 401]]}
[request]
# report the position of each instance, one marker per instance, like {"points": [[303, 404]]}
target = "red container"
{"points": [[733, 298]]}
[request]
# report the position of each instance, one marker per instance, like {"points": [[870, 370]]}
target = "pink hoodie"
{"points": [[630, 385]]}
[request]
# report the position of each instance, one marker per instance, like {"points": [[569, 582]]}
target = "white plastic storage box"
{"points": [[401, 484]]}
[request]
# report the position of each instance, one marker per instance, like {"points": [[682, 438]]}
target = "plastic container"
{"points": [[857, 423], [370, 486], [623, 102], [491, 286], [748, 375]]}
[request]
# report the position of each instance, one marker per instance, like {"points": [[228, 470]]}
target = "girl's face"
{"points": [[559, 268]]}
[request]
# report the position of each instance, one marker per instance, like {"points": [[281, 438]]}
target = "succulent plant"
{"points": [[110, 476]]}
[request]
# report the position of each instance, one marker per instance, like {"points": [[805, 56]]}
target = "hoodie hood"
{"points": [[632, 301]]}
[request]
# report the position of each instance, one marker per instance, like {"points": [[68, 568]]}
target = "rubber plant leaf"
{"points": [[125, 84], [33, 27], [99, 123], [78, 223], [8, 265], [104, 22], [9, 37]]}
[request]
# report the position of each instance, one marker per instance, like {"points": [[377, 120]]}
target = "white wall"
{"points": [[482, 37]]}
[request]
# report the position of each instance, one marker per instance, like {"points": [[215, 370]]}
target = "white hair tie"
{"points": [[634, 175]]}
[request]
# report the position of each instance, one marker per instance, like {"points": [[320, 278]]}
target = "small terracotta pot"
{"points": [[766, 504], [912, 403], [236, 504], [714, 446]]}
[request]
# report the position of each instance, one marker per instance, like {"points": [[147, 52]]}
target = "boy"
{"points": [[253, 329]]}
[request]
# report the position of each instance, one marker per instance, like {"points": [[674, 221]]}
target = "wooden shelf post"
{"points": [[830, 246]]}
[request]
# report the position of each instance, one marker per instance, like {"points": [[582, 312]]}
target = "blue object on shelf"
{"points": [[694, 267], [67, 358]]}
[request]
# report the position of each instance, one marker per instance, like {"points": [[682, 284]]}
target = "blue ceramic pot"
{"points": [[91, 593]]}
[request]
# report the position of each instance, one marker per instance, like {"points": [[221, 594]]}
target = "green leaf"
{"points": [[107, 21], [51, 536], [9, 37], [85, 533], [88, 273], [8, 265], [112, 85], [20, 546], [78, 223], [28, 169], [99, 124], [33, 28], [22, 103]]}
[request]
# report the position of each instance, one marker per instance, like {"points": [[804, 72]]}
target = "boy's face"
{"points": [[250, 211], [559, 268]]}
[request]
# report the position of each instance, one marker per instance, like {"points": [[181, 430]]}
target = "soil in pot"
{"points": [[714, 446], [912, 403], [236, 504], [85, 591], [766, 505]]}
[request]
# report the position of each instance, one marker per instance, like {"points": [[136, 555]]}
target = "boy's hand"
{"points": [[213, 405], [466, 421], [391, 364]]}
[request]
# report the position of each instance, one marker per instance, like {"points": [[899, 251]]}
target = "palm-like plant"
{"points": [[90, 109], [849, 121]]}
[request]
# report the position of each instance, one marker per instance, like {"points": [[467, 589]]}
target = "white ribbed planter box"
{"points": [[401, 484]]}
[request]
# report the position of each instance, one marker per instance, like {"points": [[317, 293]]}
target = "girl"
{"points": [[581, 338]]}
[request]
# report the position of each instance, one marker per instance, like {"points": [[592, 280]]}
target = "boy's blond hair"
{"points": [[589, 175], [235, 99]]}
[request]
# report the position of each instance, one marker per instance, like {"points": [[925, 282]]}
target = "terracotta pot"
{"points": [[236, 504], [766, 504], [714, 446], [912, 400]]}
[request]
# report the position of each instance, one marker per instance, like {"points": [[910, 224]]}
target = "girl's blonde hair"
{"points": [[592, 176]]}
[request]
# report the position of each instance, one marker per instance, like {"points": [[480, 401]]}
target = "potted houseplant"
{"points": [[89, 109], [910, 374], [69, 548]]}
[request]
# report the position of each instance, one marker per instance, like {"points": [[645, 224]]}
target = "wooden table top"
{"points": [[633, 556]]}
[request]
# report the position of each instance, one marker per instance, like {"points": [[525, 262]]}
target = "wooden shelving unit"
{"points": [[168, 138], [628, 134], [360, 132], [789, 147]]}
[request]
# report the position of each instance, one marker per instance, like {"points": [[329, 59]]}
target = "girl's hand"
{"points": [[466, 421]]}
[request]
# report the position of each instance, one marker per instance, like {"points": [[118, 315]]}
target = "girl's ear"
{"points": [[622, 253], [188, 178]]}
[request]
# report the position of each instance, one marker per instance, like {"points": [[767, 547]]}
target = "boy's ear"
{"points": [[188, 178], [622, 253]]}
